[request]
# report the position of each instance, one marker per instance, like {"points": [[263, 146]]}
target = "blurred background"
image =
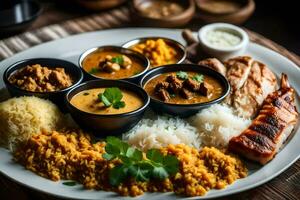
{"points": [[275, 20]]}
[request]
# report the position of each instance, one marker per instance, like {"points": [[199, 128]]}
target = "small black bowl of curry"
{"points": [[107, 107], [113, 63], [46, 78], [184, 89]]}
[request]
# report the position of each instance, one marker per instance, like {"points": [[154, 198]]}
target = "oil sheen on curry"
{"points": [[106, 101], [184, 88], [112, 65]]}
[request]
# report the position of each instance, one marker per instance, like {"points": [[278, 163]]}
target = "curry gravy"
{"points": [[177, 99], [92, 61], [87, 101]]}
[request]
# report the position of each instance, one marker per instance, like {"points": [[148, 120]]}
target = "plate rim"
{"points": [[230, 192]]}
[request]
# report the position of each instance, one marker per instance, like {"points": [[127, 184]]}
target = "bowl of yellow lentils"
{"points": [[160, 51]]}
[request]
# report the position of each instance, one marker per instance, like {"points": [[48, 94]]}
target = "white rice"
{"points": [[218, 124], [159, 132]]}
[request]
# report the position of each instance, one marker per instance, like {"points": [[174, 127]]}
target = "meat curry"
{"points": [[184, 88]]}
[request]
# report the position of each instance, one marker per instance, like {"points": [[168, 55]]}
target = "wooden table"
{"points": [[285, 186]]}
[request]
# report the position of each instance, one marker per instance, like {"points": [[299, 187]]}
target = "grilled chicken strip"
{"points": [[251, 82], [270, 129], [260, 82]]}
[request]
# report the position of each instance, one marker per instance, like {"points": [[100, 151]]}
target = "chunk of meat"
{"points": [[191, 85], [186, 93], [171, 78], [205, 89], [214, 64], [163, 94], [175, 84], [270, 129], [162, 85], [238, 70], [37, 78], [248, 99]]}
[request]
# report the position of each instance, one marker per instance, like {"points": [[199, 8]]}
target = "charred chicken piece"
{"points": [[270, 129]]}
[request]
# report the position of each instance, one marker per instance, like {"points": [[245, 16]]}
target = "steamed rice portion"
{"points": [[22, 117], [162, 131], [218, 124]]}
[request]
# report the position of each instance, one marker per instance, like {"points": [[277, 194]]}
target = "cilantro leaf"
{"points": [[118, 59], [140, 172], [112, 97], [160, 173], [94, 70], [182, 75], [117, 174], [104, 99], [134, 154], [108, 156], [135, 165], [113, 94], [69, 183], [171, 164], [154, 155], [119, 104], [198, 77]]}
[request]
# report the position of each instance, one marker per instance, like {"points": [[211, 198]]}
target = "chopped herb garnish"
{"points": [[199, 78], [156, 165], [112, 97], [69, 183], [86, 93], [94, 70], [118, 59], [182, 75]]}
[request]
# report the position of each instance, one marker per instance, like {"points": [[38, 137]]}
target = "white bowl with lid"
{"points": [[222, 40]]}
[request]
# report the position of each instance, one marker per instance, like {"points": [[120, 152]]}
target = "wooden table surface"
{"points": [[284, 186]]}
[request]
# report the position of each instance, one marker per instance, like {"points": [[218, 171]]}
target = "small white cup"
{"points": [[223, 53]]}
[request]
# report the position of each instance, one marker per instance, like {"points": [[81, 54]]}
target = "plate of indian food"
{"points": [[199, 128]]}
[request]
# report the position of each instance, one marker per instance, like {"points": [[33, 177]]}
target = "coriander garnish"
{"points": [[69, 183], [94, 70], [118, 59], [156, 165], [198, 77], [182, 75], [112, 97]]}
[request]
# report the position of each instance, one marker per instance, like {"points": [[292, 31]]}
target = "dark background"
{"points": [[276, 20]]}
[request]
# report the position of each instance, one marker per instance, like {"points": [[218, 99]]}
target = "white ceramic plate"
{"points": [[70, 48]]}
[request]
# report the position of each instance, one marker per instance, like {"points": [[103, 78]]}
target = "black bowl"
{"points": [[17, 15], [57, 96], [103, 125], [135, 79], [184, 110]]}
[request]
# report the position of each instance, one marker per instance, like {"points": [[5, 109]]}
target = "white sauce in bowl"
{"points": [[222, 39]]}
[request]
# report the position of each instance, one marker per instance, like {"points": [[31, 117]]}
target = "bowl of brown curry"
{"points": [[46, 78], [184, 89], [113, 63]]}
